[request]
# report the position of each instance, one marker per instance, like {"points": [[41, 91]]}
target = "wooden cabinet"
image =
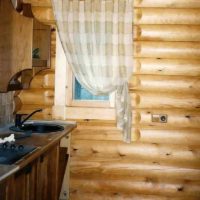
{"points": [[47, 177], [39, 180], [24, 44], [21, 185], [15, 45], [24, 185]]}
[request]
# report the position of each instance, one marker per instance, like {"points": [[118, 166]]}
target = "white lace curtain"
{"points": [[97, 39]]}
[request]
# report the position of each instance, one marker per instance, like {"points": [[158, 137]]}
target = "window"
{"points": [[80, 93], [79, 96], [72, 104]]}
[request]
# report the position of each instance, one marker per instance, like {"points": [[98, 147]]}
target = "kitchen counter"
{"points": [[43, 142], [7, 170]]}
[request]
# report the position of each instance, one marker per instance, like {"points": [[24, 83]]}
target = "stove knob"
{"points": [[12, 146], [20, 147]]}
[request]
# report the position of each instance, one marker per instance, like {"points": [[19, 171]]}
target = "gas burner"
{"points": [[11, 152], [11, 146]]}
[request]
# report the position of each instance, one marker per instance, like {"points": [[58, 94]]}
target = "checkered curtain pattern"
{"points": [[97, 39]]}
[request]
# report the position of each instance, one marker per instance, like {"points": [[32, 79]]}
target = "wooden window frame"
{"points": [[85, 103]]}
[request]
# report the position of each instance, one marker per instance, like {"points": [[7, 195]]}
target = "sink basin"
{"points": [[38, 128]]}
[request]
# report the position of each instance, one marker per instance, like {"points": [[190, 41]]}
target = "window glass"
{"points": [[80, 93]]}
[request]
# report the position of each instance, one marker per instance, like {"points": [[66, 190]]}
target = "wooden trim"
{"points": [[90, 103], [69, 86], [89, 113], [82, 103], [67, 113]]}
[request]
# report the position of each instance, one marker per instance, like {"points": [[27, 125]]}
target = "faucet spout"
{"points": [[18, 117]]}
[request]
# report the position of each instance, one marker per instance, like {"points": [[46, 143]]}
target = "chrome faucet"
{"points": [[18, 118]]}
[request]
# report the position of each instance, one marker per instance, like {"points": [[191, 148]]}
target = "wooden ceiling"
{"points": [[42, 10]]}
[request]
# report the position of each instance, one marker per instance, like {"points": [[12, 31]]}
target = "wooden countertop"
{"points": [[7, 170], [42, 141]]}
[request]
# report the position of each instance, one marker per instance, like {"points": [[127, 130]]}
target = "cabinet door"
{"points": [[3, 189], [21, 185], [47, 175], [25, 183]]}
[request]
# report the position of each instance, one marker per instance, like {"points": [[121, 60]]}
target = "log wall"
{"points": [[165, 162], [41, 91], [39, 95]]}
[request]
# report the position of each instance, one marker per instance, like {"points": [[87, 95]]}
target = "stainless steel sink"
{"points": [[37, 128]]}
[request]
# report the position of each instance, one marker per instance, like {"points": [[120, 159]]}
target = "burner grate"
{"points": [[11, 153]]}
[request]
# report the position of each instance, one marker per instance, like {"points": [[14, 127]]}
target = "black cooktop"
{"points": [[11, 152]]}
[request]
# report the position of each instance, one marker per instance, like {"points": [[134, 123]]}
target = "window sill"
{"points": [[75, 112]]}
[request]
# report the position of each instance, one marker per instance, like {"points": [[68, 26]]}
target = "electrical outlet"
{"points": [[159, 118]]}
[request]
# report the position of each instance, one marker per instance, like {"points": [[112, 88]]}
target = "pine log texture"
{"points": [[151, 168], [42, 10], [160, 67], [170, 50], [163, 160], [164, 163], [170, 84], [40, 95], [119, 196], [165, 100], [136, 187], [167, 16], [167, 33], [176, 118], [167, 4], [169, 136], [39, 3], [44, 14]]}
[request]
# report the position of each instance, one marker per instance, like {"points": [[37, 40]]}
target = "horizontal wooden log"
{"points": [[184, 85], [78, 195], [46, 71], [130, 187], [166, 16], [53, 62], [37, 96], [53, 35], [167, 33], [108, 162], [88, 113], [164, 100], [43, 81], [175, 118], [166, 66], [34, 107], [183, 50], [148, 135], [184, 137], [44, 15], [138, 172], [46, 113], [167, 4], [93, 122], [173, 155], [87, 170], [39, 3]]}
